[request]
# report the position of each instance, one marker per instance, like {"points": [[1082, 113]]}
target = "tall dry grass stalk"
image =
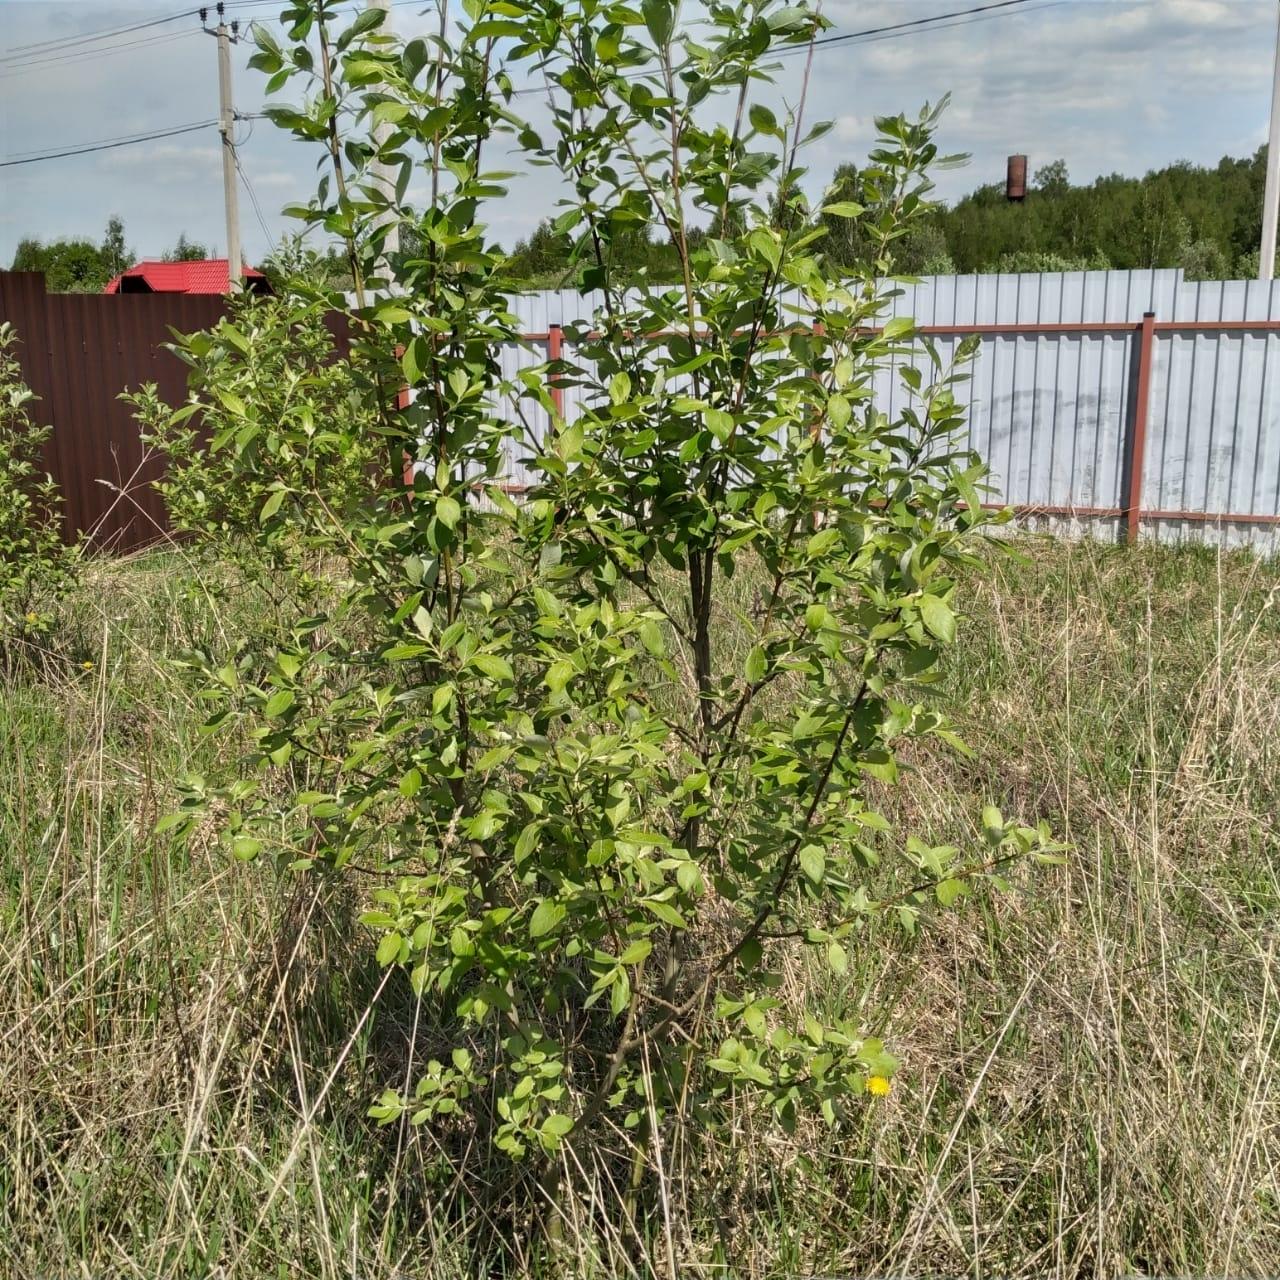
{"points": [[187, 1047]]}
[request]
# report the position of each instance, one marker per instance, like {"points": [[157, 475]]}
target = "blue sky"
{"points": [[1108, 85]]}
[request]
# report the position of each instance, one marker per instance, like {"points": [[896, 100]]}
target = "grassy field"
{"points": [[1090, 1081]]}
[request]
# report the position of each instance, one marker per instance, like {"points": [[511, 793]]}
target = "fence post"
{"points": [[819, 332], [404, 398], [1137, 443], [553, 354]]}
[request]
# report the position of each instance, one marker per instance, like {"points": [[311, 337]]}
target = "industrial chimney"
{"points": [[1015, 182]]}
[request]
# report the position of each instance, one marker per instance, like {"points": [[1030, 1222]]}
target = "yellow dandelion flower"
{"points": [[87, 666], [878, 1086], [33, 617]]}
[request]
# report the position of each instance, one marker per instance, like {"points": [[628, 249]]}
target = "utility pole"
{"points": [[226, 126], [1271, 197], [383, 176]]}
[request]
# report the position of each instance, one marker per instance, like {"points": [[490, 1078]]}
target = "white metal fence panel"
{"points": [[1053, 411]]}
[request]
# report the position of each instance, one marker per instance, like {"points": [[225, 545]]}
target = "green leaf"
{"points": [[837, 958], [278, 704], [763, 119], [636, 952], [272, 505], [403, 652], [389, 113], [821, 542], [665, 912], [559, 674], [898, 327], [843, 209], [719, 423], [620, 388], [365, 21], [555, 1128], [389, 949], [494, 666], [568, 443], [390, 312], [993, 823], [651, 637], [448, 512], [813, 862], [766, 245], [659, 19], [608, 42], [938, 619], [689, 878], [246, 847], [527, 841], [757, 664], [815, 617], [414, 360], [546, 915]]}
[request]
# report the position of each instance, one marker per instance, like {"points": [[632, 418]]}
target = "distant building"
{"points": [[207, 275]]}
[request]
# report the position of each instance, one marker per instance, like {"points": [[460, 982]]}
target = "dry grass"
{"points": [[1090, 1081]]}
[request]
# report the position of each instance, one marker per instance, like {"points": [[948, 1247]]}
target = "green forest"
{"points": [[1206, 220], [80, 265]]}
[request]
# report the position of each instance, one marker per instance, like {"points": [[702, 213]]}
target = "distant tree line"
{"points": [[1206, 220], [80, 266]]}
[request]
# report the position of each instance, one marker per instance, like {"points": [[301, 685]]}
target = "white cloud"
{"points": [[860, 129], [1108, 85]]}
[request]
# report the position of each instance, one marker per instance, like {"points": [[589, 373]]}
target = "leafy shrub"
{"points": [[1205, 259], [36, 569], [274, 415], [1037, 260], [605, 759]]}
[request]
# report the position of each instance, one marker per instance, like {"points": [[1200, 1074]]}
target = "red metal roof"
{"points": [[209, 275]]}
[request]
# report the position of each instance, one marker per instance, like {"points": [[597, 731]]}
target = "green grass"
{"points": [[1090, 1077]]}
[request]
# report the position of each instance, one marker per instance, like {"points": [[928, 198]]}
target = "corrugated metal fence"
{"points": [[1127, 401], [1080, 376], [78, 352]]}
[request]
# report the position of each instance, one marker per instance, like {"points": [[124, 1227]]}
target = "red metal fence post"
{"points": [[1138, 427], [404, 399], [554, 338]]}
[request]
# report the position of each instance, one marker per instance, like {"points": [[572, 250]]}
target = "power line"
{"points": [[870, 33], [253, 199], [110, 143], [105, 33], [1036, 7], [917, 22], [889, 31], [79, 55], [24, 53]]}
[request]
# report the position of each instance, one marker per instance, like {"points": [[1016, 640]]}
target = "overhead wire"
{"points": [[81, 55], [871, 35], [843, 37], [65, 42], [244, 177], [108, 144], [917, 25]]}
